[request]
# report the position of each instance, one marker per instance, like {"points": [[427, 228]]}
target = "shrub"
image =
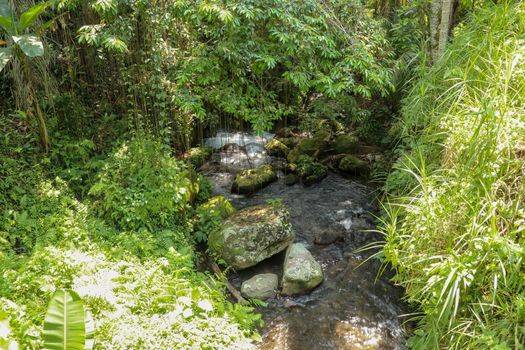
{"points": [[142, 187]]}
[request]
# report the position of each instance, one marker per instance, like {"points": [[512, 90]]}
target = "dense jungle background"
{"points": [[106, 107]]}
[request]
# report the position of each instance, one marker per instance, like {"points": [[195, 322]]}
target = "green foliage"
{"points": [[309, 170], [64, 325], [455, 237], [142, 187], [136, 283], [251, 60], [210, 216]]}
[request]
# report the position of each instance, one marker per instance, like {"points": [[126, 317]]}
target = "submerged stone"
{"points": [[301, 272], [261, 286], [290, 180], [251, 180], [252, 235]]}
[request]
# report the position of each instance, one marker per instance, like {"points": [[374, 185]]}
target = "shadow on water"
{"points": [[349, 310]]}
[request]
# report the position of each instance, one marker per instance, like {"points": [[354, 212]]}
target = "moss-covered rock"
{"points": [[197, 156], [289, 142], [310, 171], [353, 166], [221, 205], [276, 148], [290, 180], [252, 235], [301, 272], [252, 180], [318, 143], [346, 143]]}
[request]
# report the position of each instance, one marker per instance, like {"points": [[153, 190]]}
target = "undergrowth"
{"points": [[127, 249], [455, 219]]}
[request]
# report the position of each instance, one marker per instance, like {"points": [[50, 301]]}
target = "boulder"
{"points": [[353, 165], [290, 180], [318, 143], [252, 235], [251, 180], [310, 171], [301, 272], [261, 286], [276, 148], [346, 143]]}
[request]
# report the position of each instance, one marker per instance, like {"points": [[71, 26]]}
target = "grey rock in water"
{"points": [[301, 272], [252, 235], [261, 286]]}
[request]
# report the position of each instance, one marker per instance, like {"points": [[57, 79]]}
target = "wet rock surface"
{"points": [[263, 286], [301, 272], [252, 235], [349, 310]]}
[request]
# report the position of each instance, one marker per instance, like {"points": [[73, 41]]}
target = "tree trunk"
{"points": [[445, 25], [435, 14]]}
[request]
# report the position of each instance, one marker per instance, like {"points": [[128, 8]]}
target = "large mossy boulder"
{"points": [[301, 272], [317, 144], [262, 286], [252, 180], [346, 143], [252, 235], [310, 171], [276, 148], [353, 166]]}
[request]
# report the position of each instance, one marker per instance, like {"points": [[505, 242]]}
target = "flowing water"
{"points": [[350, 309]]}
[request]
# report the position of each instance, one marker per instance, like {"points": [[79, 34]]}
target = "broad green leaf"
{"points": [[6, 23], [64, 326], [6, 9], [31, 45], [5, 55], [30, 16]]}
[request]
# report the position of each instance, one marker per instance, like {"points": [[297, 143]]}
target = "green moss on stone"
{"points": [[318, 143], [276, 148], [251, 180], [346, 143], [353, 165]]}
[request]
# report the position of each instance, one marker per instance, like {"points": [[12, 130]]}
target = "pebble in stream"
{"points": [[348, 310]]}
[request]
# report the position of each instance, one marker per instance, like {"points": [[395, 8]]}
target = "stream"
{"points": [[350, 309]]}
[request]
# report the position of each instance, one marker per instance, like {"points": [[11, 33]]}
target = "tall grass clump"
{"points": [[455, 220]]}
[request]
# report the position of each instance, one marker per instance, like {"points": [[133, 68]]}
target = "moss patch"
{"points": [[251, 180], [353, 165], [276, 148], [309, 147], [346, 143]]}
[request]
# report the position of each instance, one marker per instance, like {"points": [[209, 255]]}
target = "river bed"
{"points": [[350, 309]]}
